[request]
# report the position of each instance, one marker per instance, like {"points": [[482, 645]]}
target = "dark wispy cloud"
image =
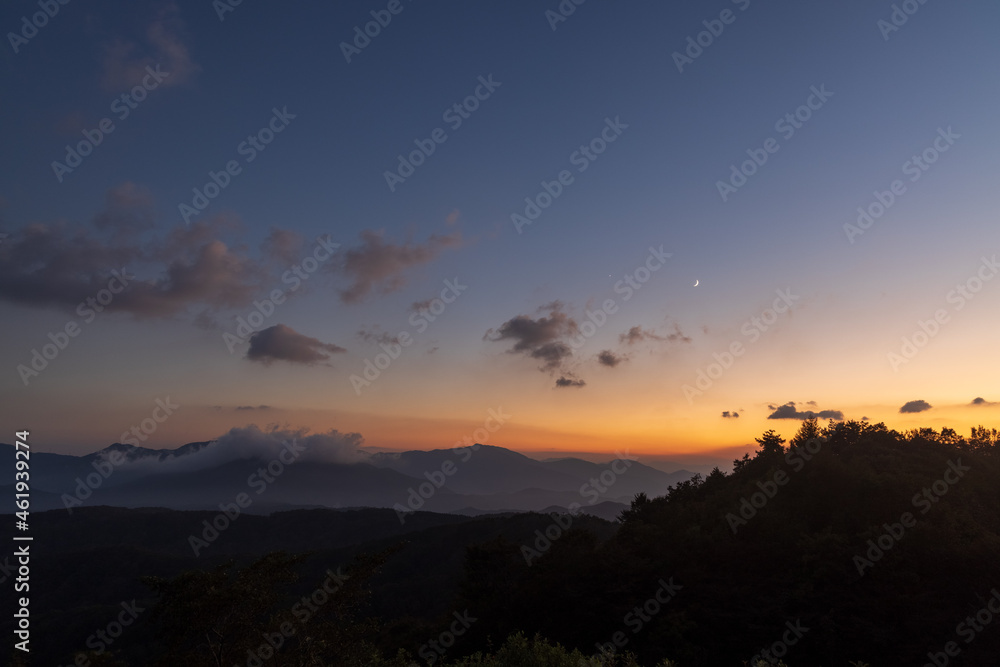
{"points": [[198, 269], [376, 336], [282, 343], [283, 246], [552, 355], [379, 265], [541, 338], [788, 411], [609, 358], [915, 406], [638, 334], [569, 382], [981, 401], [61, 266], [128, 210], [241, 408], [730, 415], [162, 48]]}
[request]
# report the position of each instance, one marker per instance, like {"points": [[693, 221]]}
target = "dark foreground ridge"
{"points": [[849, 543]]}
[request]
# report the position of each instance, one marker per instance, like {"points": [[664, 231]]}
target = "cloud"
{"points": [[377, 336], [58, 264], [981, 401], [788, 411], [194, 270], [609, 358], [539, 338], [250, 442], [915, 406], [417, 306], [379, 265], [637, 335], [281, 343], [212, 274], [125, 62], [453, 217], [569, 382], [128, 210], [552, 355], [63, 264], [282, 245], [730, 415], [253, 407]]}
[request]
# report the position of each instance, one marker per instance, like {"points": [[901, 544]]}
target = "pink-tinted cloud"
{"points": [[379, 265]]}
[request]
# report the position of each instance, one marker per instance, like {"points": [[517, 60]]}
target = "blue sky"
{"points": [[656, 184]]}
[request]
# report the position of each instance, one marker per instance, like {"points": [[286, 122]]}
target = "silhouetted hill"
{"points": [[880, 543], [95, 558], [860, 543]]}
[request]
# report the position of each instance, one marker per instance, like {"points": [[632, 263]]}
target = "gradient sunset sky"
{"points": [[668, 128]]}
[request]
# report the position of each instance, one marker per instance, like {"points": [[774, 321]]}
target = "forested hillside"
{"points": [[848, 543]]}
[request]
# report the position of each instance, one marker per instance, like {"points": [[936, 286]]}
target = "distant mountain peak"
{"points": [[135, 453]]}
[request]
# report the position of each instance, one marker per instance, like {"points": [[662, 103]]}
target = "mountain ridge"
{"points": [[200, 475]]}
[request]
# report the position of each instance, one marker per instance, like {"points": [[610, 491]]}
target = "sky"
{"points": [[553, 227]]}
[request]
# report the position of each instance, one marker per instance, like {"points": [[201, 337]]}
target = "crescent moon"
{"points": [[696, 283]]}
